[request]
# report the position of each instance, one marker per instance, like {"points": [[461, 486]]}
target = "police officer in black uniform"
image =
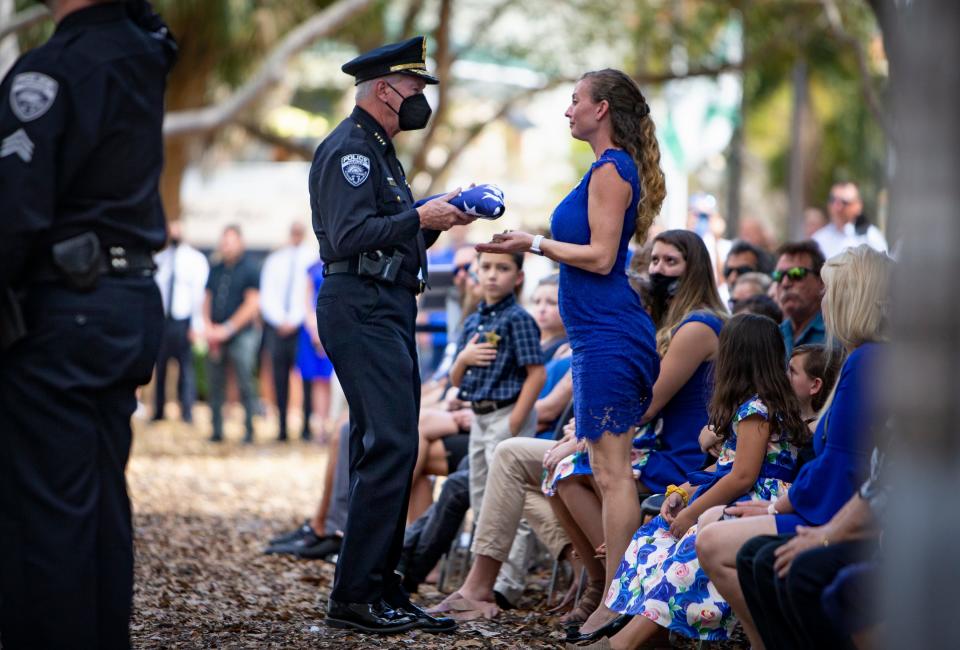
{"points": [[373, 242], [81, 150]]}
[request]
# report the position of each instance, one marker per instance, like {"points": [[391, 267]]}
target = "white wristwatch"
{"points": [[535, 246]]}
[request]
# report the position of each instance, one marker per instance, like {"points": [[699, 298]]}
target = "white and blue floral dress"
{"points": [[660, 577]]}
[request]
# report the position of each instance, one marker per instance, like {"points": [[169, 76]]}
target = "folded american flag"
{"points": [[483, 201]]}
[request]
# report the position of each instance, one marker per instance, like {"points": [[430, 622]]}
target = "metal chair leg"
{"points": [[553, 580], [580, 579]]}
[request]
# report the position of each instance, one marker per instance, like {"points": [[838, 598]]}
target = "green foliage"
{"points": [[851, 143]]}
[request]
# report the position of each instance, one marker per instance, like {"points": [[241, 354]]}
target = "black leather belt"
{"points": [[404, 279], [490, 405], [116, 260]]}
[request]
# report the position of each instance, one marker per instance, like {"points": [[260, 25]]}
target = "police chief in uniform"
{"points": [[373, 242], [81, 149]]}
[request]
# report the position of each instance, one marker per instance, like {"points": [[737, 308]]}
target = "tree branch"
{"points": [[295, 147], [835, 21], [271, 72], [444, 58], [472, 132], [410, 17], [24, 19], [480, 30]]}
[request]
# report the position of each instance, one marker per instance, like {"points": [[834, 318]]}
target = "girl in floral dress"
{"points": [[659, 580]]}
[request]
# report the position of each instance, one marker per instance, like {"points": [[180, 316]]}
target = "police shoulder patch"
{"points": [[32, 94], [356, 168]]}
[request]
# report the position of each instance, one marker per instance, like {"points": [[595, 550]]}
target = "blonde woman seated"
{"points": [[854, 306]]}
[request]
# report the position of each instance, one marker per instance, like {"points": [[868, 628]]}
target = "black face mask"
{"points": [[663, 287], [414, 111]]}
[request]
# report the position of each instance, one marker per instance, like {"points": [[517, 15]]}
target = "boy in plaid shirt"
{"points": [[499, 365]]}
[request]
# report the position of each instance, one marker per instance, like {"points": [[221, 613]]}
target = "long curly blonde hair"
{"points": [[634, 131]]}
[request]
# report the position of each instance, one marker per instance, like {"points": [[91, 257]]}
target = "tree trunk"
{"points": [[9, 50], [444, 58], [920, 566], [797, 173]]}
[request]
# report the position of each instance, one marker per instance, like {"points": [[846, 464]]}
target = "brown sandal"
{"points": [[589, 601]]}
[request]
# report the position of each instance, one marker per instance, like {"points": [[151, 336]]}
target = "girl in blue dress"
{"points": [[755, 411], [615, 361], [854, 311]]}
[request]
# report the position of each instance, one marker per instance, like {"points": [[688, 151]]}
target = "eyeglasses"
{"points": [[461, 267], [795, 273], [739, 270], [837, 199]]}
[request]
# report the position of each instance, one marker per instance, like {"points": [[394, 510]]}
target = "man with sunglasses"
{"points": [[848, 226], [743, 258], [799, 293]]}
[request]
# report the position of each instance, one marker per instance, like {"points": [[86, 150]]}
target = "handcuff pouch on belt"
{"points": [[380, 266], [78, 259]]}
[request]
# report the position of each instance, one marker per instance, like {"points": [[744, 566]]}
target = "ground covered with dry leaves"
{"points": [[202, 514]]}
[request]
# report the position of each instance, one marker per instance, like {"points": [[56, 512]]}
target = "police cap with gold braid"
{"points": [[408, 57]]}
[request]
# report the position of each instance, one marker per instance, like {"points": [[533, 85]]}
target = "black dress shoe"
{"points": [[321, 549], [305, 544], [424, 621], [607, 630], [298, 533], [374, 618]]}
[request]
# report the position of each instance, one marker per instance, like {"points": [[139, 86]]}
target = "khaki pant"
{"points": [[513, 491], [486, 433]]}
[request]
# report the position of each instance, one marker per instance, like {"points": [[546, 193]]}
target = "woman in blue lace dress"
{"points": [[756, 413], [615, 361], [683, 301]]}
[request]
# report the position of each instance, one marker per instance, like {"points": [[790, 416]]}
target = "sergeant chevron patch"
{"points": [[18, 143], [32, 94]]}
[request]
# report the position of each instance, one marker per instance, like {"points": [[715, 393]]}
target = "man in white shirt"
{"points": [[181, 276], [283, 290], [848, 226]]}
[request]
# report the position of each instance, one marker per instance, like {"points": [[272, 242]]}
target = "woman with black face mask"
{"points": [[683, 301]]}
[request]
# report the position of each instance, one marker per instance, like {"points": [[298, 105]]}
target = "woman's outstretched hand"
{"points": [[508, 241]]}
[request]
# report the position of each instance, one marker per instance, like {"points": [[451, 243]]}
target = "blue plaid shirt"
{"points": [[518, 346]]}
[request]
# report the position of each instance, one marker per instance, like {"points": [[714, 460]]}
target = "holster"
{"points": [[79, 260], [380, 266]]}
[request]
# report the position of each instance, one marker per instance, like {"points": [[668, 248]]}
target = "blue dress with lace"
{"points": [[613, 340]]}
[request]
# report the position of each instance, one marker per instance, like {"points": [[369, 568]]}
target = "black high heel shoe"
{"points": [[607, 630]]}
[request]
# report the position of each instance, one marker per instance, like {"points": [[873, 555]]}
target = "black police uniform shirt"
{"points": [[81, 144], [360, 198]]}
